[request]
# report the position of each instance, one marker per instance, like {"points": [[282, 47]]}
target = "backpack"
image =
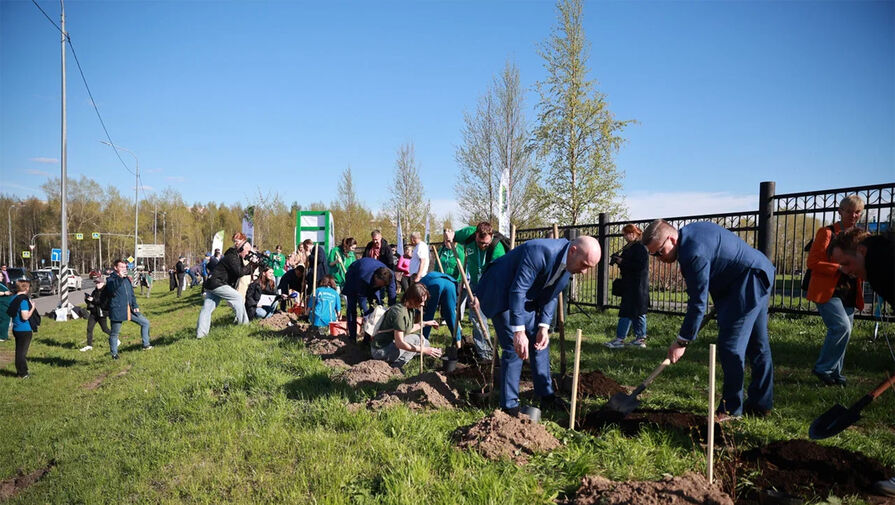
{"points": [[496, 238]]}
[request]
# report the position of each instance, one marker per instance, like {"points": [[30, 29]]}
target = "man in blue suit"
{"points": [[519, 293], [443, 296], [716, 262], [365, 279]]}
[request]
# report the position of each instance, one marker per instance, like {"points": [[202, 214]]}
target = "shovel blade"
{"points": [[622, 404], [832, 422]]}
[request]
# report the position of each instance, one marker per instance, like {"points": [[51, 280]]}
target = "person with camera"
{"points": [[180, 273], [221, 284], [95, 311], [633, 265]]}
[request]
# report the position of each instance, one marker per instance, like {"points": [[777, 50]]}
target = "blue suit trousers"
{"points": [[511, 363], [743, 335]]}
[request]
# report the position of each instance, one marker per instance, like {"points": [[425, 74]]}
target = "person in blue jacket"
{"points": [[519, 293], [326, 304], [364, 280], [442, 296], [123, 306], [716, 262]]}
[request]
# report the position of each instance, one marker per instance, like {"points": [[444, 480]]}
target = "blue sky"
{"points": [[222, 98]]}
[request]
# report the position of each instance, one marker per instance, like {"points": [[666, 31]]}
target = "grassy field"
{"points": [[245, 417]]}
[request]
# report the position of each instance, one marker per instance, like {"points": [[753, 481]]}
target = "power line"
{"points": [[46, 16]]}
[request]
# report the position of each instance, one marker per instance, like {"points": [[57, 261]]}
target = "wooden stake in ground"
{"points": [[710, 451], [422, 341], [575, 379], [438, 259], [512, 237], [561, 322]]}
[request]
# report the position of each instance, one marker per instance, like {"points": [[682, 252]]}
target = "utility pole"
{"points": [[63, 271], [136, 193], [9, 218]]}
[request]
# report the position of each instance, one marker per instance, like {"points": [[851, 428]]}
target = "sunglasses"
{"points": [[658, 252]]}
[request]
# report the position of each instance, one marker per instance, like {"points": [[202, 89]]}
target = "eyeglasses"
{"points": [[659, 252]]}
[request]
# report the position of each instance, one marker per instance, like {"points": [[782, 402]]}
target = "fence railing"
{"points": [[780, 228]]}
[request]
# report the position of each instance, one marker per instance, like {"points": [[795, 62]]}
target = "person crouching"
{"points": [[399, 339]]}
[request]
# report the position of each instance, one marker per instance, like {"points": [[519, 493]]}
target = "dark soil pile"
{"points": [[368, 373], [687, 422], [13, 486], [688, 489], [597, 384], [324, 346], [346, 356], [804, 468], [279, 321], [501, 436], [429, 390]]}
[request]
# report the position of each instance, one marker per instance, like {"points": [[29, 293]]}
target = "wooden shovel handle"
{"points": [[882, 387], [656, 372]]}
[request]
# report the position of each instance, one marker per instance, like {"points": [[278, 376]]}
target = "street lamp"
{"points": [[136, 194], [9, 219]]}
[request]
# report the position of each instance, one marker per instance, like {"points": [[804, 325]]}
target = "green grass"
{"points": [[244, 417]]}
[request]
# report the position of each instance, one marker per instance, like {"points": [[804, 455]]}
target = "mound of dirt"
{"points": [[279, 321], [324, 346], [687, 422], [368, 373], [597, 384], [804, 468], [14, 485], [691, 488], [429, 390], [346, 356], [503, 436]]}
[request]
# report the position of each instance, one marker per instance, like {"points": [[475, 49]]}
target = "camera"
{"points": [[615, 259], [259, 258]]}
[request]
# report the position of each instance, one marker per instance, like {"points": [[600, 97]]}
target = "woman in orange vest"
{"points": [[836, 294]]}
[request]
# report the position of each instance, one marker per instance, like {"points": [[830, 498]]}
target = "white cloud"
{"points": [[43, 159], [35, 171], [175, 178], [648, 205], [11, 185], [146, 188]]}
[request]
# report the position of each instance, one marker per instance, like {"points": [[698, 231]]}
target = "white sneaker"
{"points": [[615, 344], [86, 348], [147, 347], [119, 343]]}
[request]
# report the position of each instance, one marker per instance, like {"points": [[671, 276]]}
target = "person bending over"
{"points": [[221, 285]]}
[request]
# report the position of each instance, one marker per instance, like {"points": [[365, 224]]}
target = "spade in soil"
{"points": [[839, 418]]}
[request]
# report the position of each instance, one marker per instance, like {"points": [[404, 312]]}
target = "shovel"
{"points": [[620, 405], [839, 418]]}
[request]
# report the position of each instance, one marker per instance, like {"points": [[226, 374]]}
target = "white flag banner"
{"points": [[503, 203]]}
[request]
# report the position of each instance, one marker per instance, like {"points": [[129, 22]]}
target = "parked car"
{"points": [[21, 273], [74, 279], [47, 281]]}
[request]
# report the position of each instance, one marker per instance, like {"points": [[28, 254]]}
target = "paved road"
{"points": [[46, 303]]}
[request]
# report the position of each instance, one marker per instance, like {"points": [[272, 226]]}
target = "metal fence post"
{"points": [[603, 267], [766, 219]]}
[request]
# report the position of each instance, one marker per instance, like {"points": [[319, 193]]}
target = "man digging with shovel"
{"points": [[740, 279]]}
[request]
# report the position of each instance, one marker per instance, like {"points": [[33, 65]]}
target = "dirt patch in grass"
{"points": [[324, 346], [809, 470], [14, 485], [633, 423], [500, 436], [597, 384], [691, 488], [346, 357], [90, 386], [471, 375], [7, 357], [368, 373], [427, 391], [279, 321]]}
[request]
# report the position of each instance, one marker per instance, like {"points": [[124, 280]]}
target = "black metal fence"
{"points": [[780, 228]]}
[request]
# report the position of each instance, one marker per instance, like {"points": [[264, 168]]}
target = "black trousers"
{"points": [[91, 323], [23, 342], [180, 278]]}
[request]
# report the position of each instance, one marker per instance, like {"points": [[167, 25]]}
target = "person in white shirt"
{"points": [[419, 262]]}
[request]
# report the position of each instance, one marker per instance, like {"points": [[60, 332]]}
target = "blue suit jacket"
{"points": [[121, 294], [715, 261], [517, 281], [358, 280]]}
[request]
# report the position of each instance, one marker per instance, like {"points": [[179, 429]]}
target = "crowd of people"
{"points": [[474, 270]]}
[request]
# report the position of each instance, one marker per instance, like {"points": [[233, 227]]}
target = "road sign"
{"points": [[56, 255], [26, 254], [94, 236], [130, 259], [79, 236], [151, 250]]}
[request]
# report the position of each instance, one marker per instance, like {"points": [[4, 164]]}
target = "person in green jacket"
{"points": [[448, 258], [279, 264], [481, 247], [340, 258], [6, 296]]}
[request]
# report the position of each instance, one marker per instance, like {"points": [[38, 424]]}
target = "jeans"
{"points": [[212, 298], [511, 363], [482, 347], [137, 318], [397, 357], [265, 311], [838, 319], [624, 325], [23, 341], [91, 323]]}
